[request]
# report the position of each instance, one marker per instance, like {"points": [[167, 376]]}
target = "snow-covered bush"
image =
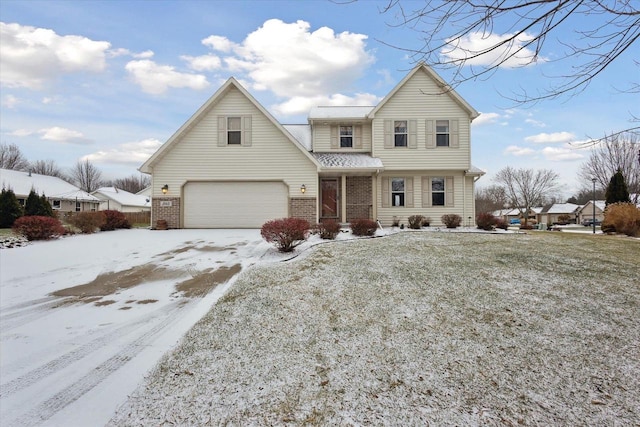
{"points": [[363, 227], [415, 222], [36, 227], [285, 233], [114, 220], [451, 220], [87, 222], [622, 218], [329, 229]]}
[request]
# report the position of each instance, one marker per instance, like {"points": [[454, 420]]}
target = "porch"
{"points": [[344, 198]]}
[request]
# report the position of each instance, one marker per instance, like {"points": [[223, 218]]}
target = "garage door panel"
{"points": [[233, 204]]}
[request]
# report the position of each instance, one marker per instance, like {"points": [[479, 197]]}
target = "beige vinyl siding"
{"points": [[322, 137], [271, 156], [418, 100], [463, 203]]}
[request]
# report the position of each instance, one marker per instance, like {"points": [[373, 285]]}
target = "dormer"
{"points": [[343, 129]]}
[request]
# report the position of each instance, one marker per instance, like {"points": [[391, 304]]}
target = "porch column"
{"points": [[343, 199]]}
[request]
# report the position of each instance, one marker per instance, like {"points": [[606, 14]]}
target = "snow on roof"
{"points": [[340, 112], [53, 187], [474, 170], [563, 208], [123, 197], [348, 160], [302, 133]]}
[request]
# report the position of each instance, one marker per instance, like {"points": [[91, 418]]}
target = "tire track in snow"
{"points": [[11, 321], [25, 304], [84, 350], [75, 391]]}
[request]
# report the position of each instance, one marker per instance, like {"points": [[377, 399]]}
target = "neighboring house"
{"points": [[145, 192], [232, 165], [586, 212], [63, 196], [510, 214], [551, 214], [112, 198]]}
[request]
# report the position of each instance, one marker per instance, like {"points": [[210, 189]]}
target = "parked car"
{"points": [[589, 222], [514, 221]]}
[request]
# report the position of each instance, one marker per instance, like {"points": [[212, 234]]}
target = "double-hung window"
{"points": [[78, 206], [400, 134], [56, 204], [346, 136], [437, 191], [442, 133], [397, 192], [234, 130]]}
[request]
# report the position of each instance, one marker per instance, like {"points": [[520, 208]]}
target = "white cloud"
{"points": [[219, 43], [302, 104], [508, 55], [559, 154], [535, 123], [203, 63], [128, 153], [551, 138], [10, 101], [514, 150], [114, 53], [60, 134], [33, 56], [157, 79], [21, 132], [485, 118]]}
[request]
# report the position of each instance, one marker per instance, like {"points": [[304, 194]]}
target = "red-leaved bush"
{"points": [[363, 227], [87, 222], [328, 229], [285, 233], [486, 221], [501, 223], [114, 220], [38, 227]]}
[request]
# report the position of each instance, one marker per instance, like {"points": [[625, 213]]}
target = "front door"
{"points": [[329, 198]]}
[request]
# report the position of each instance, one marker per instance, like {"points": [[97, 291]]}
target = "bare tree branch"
{"points": [[86, 176], [12, 158]]}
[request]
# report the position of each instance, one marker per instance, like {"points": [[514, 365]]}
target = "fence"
{"points": [[138, 218]]}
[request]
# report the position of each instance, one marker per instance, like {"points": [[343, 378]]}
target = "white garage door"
{"points": [[233, 204]]}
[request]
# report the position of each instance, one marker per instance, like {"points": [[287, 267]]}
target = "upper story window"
{"points": [[234, 130], [346, 136], [397, 192], [442, 133], [437, 192], [400, 134]]}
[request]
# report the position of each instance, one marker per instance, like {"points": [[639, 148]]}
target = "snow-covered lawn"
{"points": [[419, 328], [83, 318]]}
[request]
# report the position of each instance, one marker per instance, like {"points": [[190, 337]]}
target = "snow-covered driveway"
{"points": [[82, 319]]}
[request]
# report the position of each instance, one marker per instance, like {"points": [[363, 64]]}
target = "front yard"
{"points": [[413, 329]]}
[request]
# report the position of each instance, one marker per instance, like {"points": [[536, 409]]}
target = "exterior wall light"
{"points": [[165, 189], [303, 188]]}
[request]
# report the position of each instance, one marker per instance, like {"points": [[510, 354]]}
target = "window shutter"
{"points": [[453, 134], [430, 135], [386, 196], [413, 134], [448, 190], [408, 192], [426, 192], [222, 131], [334, 137], [357, 136], [388, 134], [246, 131]]}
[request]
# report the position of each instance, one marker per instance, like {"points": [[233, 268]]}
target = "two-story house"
{"points": [[233, 165]]}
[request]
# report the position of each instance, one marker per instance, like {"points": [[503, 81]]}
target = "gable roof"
{"points": [[123, 197], [53, 187], [340, 112], [446, 90], [204, 109], [561, 208]]}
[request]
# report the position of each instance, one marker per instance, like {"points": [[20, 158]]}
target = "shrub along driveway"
{"points": [[416, 328]]}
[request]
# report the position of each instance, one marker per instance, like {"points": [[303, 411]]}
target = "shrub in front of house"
{"points": [[363, 227], [415, 222], [501, 224], [328, 230], [285, 233], [486, 221], [36, 227], [426, 221], [622, 218], [87, 222], [451, 220], [10, 208], [114, 220]]}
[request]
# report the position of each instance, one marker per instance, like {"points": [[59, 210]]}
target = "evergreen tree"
{"points": [[617, 190], [45, 207], [37, 205], [10, 208]]}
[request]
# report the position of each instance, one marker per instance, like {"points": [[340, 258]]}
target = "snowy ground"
{"points": [[83, 318], [419, 328]]}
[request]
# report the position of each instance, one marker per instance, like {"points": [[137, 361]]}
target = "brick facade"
{"points": [[303, 207], [359, 197], [171, 214]]}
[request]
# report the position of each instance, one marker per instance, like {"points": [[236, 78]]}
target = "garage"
{"points": [[234, 204]]}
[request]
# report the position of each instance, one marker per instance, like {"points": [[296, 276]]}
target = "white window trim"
{"points": [[405, 133], [403, 192], [447, 133], [351, 136]]}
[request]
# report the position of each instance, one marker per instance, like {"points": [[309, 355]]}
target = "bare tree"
{"points": [[527, 188], [604, 30], [618, 151], [12, 158], [86, 176], [132, 184], [491, 199], [47, 167]]}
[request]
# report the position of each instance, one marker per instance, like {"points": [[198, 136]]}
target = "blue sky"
{"points": [[112, 80]]}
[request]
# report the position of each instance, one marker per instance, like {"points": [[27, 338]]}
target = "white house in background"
{"points": [[63, 196], [145, 192], [115, 199], [551, 214], [586, 211], [233, 165]]}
